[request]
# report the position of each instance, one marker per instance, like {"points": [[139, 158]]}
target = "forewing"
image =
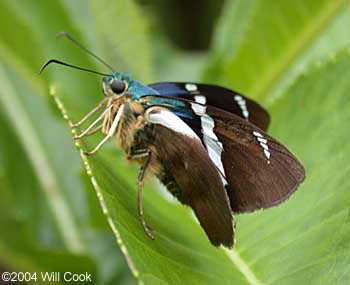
{"points": [[183, 156], [218, 97], [260, 171]]}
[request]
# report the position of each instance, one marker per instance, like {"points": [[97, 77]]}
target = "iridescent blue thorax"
{"points": [[136, 89]]}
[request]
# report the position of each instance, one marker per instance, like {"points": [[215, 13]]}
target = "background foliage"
{"points": [[292, 56]]}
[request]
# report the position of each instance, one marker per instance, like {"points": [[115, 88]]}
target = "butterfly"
{"points": [[207, 144]]}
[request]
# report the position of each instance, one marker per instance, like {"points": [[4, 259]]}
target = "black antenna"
{"points": [[73, 66], [69, 37]]}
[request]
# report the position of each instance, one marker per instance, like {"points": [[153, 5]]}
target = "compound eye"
{"points": [[118, 86]]}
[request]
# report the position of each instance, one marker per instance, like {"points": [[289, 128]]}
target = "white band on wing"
{"points": [[213, 145], [169, 120]]}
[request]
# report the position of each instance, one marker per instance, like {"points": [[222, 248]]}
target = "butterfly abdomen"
{"points": [[169, 182]]}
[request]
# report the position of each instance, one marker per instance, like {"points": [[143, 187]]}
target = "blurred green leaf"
{"points": [[124, 30], [301, 237], [306, 238], [49, 205], [263, 44], [36, 226], [49, 212]]}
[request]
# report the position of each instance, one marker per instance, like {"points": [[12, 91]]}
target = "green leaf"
{"points": [[307, 237], [44, 207], [303, 239], [51, 214], [181, 253], [118, 31], [264, 44], [124, 31], [48, 206], [28, 170]]}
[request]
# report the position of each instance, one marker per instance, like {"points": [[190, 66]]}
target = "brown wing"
{"points": [[196, 178], [260, 171]]}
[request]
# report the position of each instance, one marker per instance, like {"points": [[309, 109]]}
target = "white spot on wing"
{"points": [[262, 140], [258, 134], [199, 109], [171, 121], [242, 105], [267, 154], [200, 99], [245, 114], [191, 87], [211, 142], [264, 146], [263, 143]]}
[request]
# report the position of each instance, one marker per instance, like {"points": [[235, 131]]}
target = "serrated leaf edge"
{"points": [[98, 191]]}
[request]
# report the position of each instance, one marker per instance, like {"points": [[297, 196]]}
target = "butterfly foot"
{"points": [[147, 229], [88, 153]]}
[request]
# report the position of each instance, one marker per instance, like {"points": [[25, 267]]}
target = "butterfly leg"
{"points": [[88, 115], [91, 132], [139, 154], [87, 130], [95, 130], [92, 152], [110, 133]]}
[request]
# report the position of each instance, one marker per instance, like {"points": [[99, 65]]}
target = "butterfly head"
{"points": [[116, 85]]}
